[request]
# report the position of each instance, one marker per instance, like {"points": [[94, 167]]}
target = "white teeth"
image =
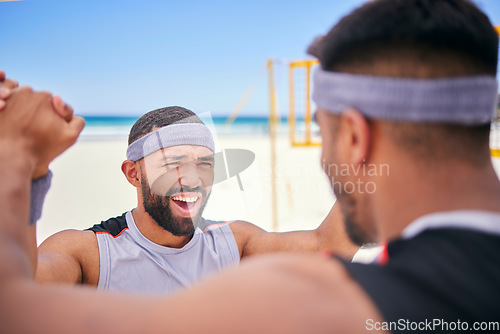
{"points": [[185, 199]]}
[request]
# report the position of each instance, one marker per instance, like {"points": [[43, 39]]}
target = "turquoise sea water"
{"points": [[108, 127]]}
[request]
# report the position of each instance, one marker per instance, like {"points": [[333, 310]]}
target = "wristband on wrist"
{"points": [[39, 189]]}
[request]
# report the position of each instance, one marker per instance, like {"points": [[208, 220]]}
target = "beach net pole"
{"points": [[300, 100], [273, 119]]}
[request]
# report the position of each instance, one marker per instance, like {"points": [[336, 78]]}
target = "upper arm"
{"points": [[252, 240], [330, 236], [69, 256]]}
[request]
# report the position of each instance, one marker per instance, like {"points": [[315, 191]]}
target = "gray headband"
{"points": [[461, 100], [171, 135]]}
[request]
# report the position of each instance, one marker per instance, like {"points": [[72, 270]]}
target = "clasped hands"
{"points": [[36, 125]]}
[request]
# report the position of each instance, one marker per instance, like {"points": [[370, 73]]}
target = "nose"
{"points": [[188, 176]]}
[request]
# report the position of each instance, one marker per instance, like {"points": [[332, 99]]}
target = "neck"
{"points": [[154, 232], [413, 190]]}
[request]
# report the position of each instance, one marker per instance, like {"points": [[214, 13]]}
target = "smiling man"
{"points": [[165, 243]]}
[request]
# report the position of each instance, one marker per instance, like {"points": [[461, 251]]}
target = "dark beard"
{"points": [[158, 207], [348, 208]]}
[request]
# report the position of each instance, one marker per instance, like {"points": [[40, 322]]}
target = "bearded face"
{"points": [[178, 211], [175, 185], [355, 230]]}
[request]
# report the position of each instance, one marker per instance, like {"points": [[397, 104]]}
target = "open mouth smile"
{"points": [[186, 204]]}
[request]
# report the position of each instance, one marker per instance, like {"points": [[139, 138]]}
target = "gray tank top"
{"points": [[131, 262]]}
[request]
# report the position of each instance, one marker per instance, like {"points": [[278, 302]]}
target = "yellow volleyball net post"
{"points": [[300, 107], [495, 139], [273, 121], [300, 99]]}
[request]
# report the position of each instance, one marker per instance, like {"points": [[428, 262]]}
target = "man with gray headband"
{"points": [[165, 243], [411, 84]]}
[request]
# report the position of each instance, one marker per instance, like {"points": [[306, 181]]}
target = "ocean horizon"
{"points": [[115, 126]]}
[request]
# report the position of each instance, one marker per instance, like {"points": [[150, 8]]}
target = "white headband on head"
{"points": [[171, 135], [461, 100]]}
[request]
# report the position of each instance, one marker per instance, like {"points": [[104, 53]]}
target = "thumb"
{"points": [[62, 108], [74, 128]]}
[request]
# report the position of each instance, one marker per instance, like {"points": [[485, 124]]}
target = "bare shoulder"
{"points": [[70, 256], [243, 231], [73, 241], [300, 293], [244, 227]]}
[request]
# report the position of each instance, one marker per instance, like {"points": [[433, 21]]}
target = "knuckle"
{"points": [[25, 89], [11, 83], [45, 95], [68, 110]]}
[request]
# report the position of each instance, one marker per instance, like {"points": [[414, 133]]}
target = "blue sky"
{"points": [[128, 57]]}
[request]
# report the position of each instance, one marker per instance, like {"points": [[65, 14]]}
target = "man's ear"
{"points": [[131, 171], [356, 136]]}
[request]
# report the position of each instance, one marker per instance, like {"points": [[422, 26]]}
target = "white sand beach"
{"points": [[88, 186]]}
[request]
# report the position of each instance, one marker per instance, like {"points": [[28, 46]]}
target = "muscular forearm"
{"points": [[34, 128], [17, 169]]}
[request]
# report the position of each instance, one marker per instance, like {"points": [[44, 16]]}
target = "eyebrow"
{"points": [[174, 157], [180, 157], [207, 158]]}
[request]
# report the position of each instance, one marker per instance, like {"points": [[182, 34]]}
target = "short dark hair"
{"points": [[159, 118], [425, 30], [418, 39]]}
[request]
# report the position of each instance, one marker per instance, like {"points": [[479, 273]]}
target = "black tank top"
{"points": [[446, 274]]}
